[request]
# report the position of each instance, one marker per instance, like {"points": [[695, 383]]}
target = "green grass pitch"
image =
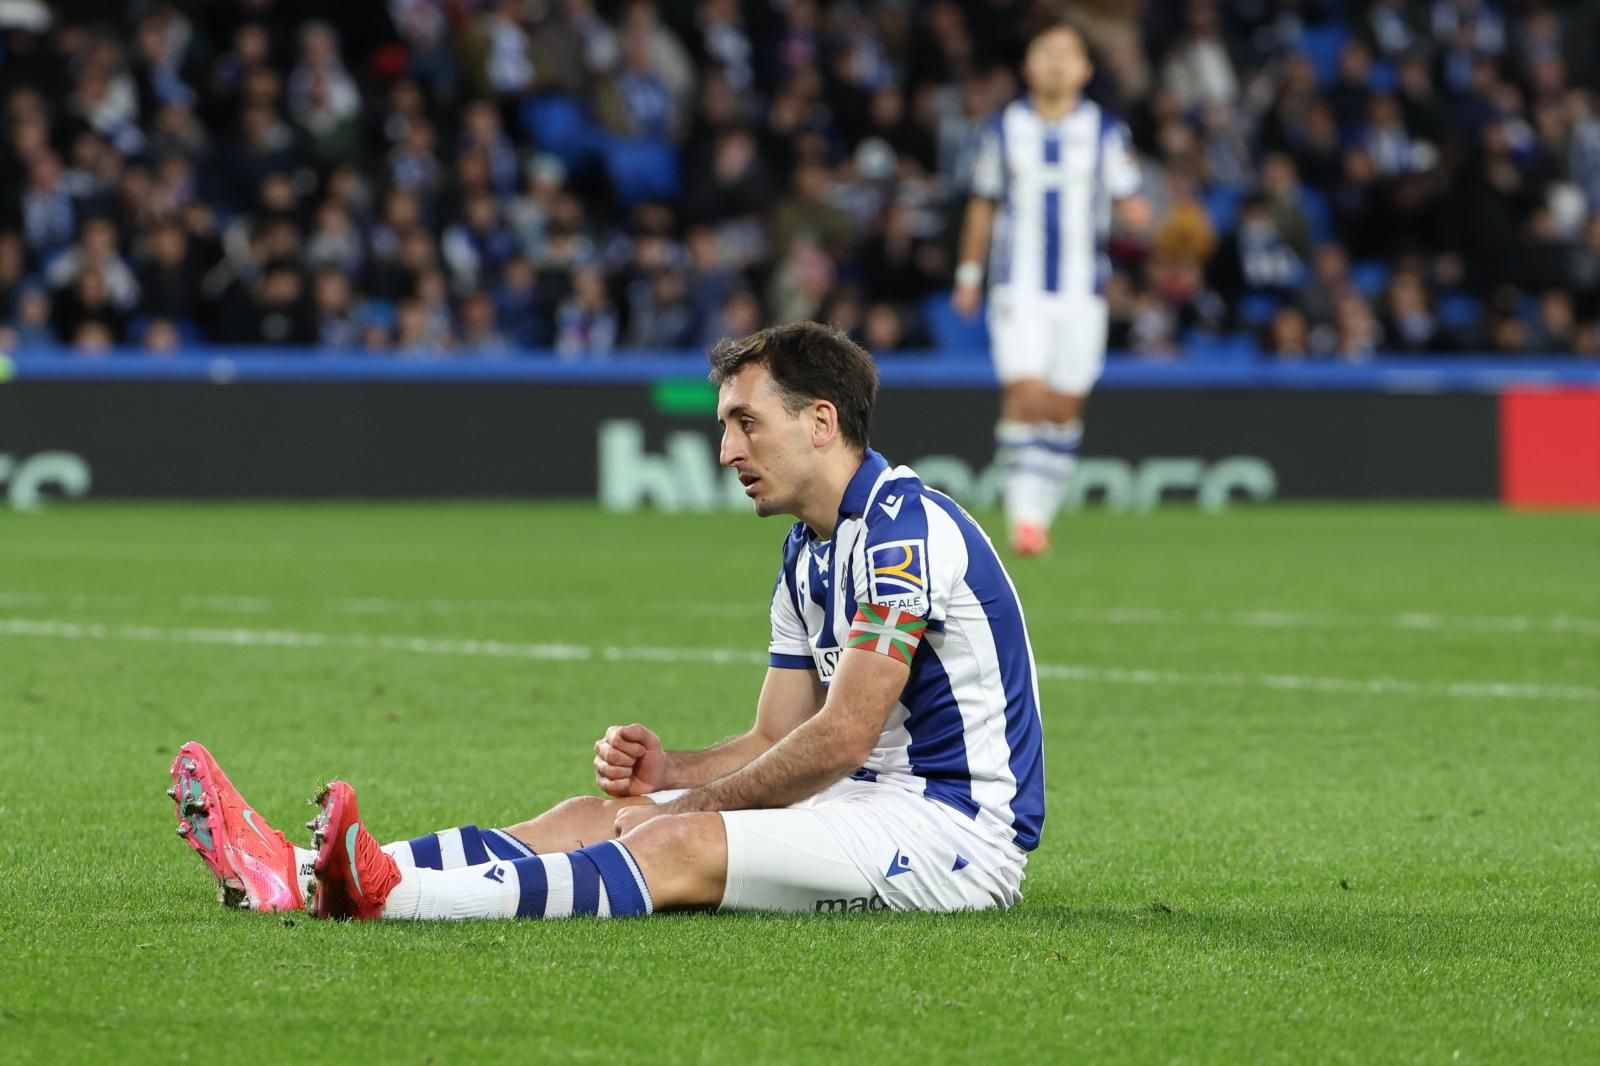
{"points": [[1324, 786]]}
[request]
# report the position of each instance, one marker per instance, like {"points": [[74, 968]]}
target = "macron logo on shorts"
{"points": [[898, 865]]}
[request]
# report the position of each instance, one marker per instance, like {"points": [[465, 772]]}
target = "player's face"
{"points": [[1056, 64], [767, 446]]}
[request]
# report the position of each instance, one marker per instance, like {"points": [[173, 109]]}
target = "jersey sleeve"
{"points": [[790, 648], [908, 562], [1121, 168], [910, 556], [989, 170]]}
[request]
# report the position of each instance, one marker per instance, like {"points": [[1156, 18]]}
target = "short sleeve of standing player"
{"points": [[908, 560], [1121, 167], [988, 170]]}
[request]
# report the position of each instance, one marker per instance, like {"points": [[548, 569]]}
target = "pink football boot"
{"points": [[253, 863]]}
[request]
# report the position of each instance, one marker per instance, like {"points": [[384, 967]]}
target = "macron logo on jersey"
{"points": [[891, 506], [899, 574]]}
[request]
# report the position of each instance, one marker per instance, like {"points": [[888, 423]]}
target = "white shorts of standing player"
{"points": [[1060, 341], [864, 846]]}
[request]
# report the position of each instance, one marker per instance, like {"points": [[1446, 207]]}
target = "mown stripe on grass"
{"points": [[550, 652]]}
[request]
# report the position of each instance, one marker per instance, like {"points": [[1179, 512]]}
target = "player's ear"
{"points": [[824, 423]]}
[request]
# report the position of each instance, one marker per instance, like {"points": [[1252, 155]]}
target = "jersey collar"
{"points": [[857, 493]]}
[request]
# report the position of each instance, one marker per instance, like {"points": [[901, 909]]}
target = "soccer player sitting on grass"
{"points": [[895, 761]]}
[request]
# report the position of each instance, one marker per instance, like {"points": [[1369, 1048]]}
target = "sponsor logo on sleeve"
{"points": [[898, 575]]}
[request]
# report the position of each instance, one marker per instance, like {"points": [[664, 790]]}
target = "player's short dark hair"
{"points": [[1054, 23], [808, 362]]}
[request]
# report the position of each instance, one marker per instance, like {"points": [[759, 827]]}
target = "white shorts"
{"points": [[1060, 340], [864, 846]]}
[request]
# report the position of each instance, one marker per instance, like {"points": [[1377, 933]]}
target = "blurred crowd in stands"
{"points": [[1330, 179]]}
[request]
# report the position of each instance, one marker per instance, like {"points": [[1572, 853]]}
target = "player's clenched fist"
{"points": [[628, 761]]}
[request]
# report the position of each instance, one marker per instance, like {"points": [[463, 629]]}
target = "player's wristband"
{"points": [[969, 275]]}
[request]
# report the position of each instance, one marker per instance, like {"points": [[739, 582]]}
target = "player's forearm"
{"points": [[691, 769], [975, 230], [808, 760]]}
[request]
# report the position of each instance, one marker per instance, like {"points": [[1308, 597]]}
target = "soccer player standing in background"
{"points": [[1051, 171]]}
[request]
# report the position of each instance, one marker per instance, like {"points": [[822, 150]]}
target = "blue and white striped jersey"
{"points": [[966, 731], [1055, 183]]}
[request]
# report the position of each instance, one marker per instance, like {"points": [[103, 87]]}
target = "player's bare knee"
{"points": [[1065, 408], [684, 857], [1026, 401], [577, 807], [585, 819], [678, 834]]}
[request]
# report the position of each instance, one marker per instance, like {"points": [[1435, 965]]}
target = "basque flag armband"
{"points": [[887, 631]]}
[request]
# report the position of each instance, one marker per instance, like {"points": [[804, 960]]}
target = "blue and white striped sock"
{"points": [[601, 880], [1026, 474], [453, 849], [1010, 438], [1056, 450]]}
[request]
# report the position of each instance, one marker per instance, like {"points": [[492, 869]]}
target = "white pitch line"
{"points": [[1258, 618], [499, 649]]}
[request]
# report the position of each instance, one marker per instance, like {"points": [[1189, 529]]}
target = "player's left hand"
{"points": [[631, 818]]}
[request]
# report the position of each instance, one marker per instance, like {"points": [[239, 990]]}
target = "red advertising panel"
{"points": [[1550, 448]]}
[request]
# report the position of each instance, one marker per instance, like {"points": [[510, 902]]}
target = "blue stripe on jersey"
{"points": [[472, 846], [791, 553], [533, 887], [999, 124], [826, 639], [791, 662], [938, 748], [818, 579], [585, 884], [1052, 217], [1024, 734]]}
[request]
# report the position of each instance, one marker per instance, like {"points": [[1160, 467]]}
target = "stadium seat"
{"points": [[1323, 44], [559, 125], [1370, 276], [1257, 308], [641, 168], [1218, 348], [1460, 310], [951, 332]]}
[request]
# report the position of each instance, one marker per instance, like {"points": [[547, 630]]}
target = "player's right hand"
{"points": [[967, 299], [628, 761]]}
